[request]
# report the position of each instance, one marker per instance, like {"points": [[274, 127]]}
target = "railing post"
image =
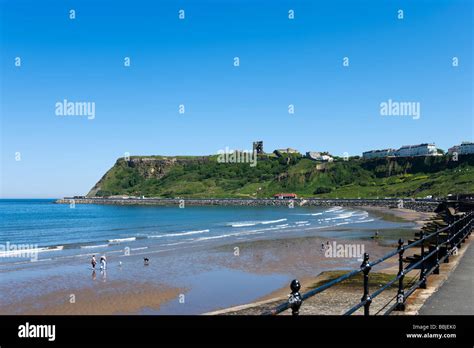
{"points": [[470, 224], [452, 235], [448, 250], [458, 238], [401, 292], [366, 269], [422, 266], [462, 234], [468, 227], [436, 270], [294, 299]]}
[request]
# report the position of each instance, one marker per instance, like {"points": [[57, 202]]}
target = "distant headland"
{"points": [[419, 171]]}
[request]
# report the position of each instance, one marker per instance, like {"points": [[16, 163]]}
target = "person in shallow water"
{"points": [[93, 261], [103, 263]]}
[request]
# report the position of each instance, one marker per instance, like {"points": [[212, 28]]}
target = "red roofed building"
{"points": [[285, 195]]}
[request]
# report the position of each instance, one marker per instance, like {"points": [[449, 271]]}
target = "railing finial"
{"points": [[400, 243], [295, 299]]}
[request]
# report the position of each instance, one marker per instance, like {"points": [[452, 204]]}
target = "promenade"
{"points": [[455, 296]]}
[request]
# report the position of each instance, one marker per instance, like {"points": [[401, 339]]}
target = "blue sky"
{"points": [[190, 62]]}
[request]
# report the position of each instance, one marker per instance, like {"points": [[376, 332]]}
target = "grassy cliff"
{"points": [[204, 177]]}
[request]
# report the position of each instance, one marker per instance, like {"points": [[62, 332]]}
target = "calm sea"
{"points": [[57, 230]]}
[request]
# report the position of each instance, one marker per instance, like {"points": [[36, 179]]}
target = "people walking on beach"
{"points": [[103, 263], [93, 261]]}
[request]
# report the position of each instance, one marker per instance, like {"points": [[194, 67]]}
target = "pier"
{"points": [[421, 205]]}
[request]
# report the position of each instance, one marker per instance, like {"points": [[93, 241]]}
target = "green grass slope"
{"points": [[204, 177]]}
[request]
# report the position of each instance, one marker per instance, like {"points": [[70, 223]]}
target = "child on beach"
{"points": [[93, 261]]}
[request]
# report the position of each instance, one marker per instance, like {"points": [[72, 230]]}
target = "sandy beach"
{"points": [[109, 298], [417, 217]]}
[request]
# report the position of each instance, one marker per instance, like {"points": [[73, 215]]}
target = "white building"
{"points": [[289, 150], [378, 153], [417, 150], [317, 156], [465, 148]]}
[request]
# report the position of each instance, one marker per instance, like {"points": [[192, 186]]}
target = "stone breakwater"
{"points": [[416, 205]]}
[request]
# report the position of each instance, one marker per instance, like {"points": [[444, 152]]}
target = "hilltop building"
{"points": [[281, 152], [405, 151], [417, 150], [378, 153], [465, 148], [318, 156]]}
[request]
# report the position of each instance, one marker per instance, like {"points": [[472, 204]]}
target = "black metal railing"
{"points": [[441, 244]]}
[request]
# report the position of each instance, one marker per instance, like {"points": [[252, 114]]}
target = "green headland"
{"points": [[206, 177]]}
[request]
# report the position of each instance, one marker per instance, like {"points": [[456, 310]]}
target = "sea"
{"points": [[57, 230]]}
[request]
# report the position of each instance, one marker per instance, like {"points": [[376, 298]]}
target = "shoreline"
{"points": [[419, 218]]}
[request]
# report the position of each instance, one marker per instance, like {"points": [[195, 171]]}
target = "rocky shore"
{"points": [[416, 205]]}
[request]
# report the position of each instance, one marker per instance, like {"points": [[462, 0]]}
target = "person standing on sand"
{"points": [[93, 262]]}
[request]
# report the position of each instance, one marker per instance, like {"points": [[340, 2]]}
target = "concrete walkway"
{"points": [[456, 295]]}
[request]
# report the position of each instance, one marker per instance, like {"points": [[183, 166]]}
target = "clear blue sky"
{"points": [[190, 62]]}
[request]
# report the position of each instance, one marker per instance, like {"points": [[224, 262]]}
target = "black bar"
{"points": [[366, 298], [401, 292]]}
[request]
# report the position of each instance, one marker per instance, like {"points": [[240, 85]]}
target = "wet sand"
{"points": [[110, 298], [335, 301], [417, 217]]}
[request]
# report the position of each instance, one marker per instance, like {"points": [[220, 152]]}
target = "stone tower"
{"points": [[258, 147]]}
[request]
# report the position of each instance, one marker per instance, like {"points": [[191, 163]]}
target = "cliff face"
{"points": [[144, 167], [204, 177]]}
